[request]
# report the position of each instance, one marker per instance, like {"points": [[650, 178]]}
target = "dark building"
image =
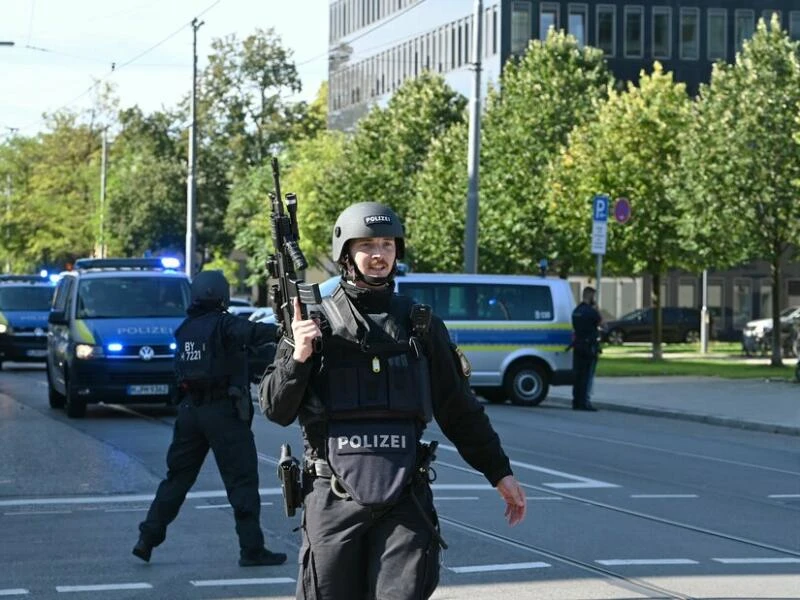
{"points": [[375, 45]]}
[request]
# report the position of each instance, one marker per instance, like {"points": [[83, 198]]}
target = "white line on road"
{"points": [[37, 512], [543, 498], [14, 592], [757, 561], [646, 561], [122, 498], [784, 496], [226, 505], [437, 498], [261, 581], [103, 587], [577, 480], [501, 567], [664, 496]]}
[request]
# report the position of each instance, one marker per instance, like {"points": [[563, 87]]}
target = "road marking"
{"points": [[757, 561], [14, 592], [501, 567], [122, 498], [261, 581], [543, 498], [37, 512], [664, 496], [437, 498], [103, 587], [784, 496], [576, 483], [613, 562], [226, 505]]}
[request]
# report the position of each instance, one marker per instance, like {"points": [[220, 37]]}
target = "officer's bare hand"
{"points": [[303, 332], [514, 496]]}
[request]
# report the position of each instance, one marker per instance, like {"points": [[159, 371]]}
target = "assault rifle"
{"points": [[287, 260]]}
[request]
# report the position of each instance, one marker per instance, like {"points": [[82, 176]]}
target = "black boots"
{"points": [[261, 558], [587, 407], [143, 550]]}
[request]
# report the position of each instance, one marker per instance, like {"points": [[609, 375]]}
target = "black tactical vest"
{"points": [[199, 358], [375, 384]]}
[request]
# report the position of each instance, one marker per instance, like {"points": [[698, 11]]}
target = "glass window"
{"points": [[27, 297], [662, 32], [634, 17], [717, 34], [742, 303], [484, 302], [765, 300], [767, 15], [794, 24], [578, 18], [744, 26], [607, 28], [521, 25], [121, 297], [690, 34], [548, 17], [686, 294]]}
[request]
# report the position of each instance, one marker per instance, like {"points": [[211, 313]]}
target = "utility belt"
{"points": [[202, 397]]}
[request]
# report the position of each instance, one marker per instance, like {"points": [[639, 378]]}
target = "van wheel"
{"points": [[616, 337], [76, 406], [56, 400], [692, 337], [493, 395], [526, 384]]}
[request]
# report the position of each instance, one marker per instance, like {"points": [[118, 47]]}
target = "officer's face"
{"points": [[374, 256]]}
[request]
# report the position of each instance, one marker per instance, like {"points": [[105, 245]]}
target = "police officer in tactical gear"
{"points": [[215, 411], [363, 400], [585, 349]]}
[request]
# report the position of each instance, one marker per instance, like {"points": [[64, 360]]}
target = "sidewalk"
{"points": [[772, 406]]}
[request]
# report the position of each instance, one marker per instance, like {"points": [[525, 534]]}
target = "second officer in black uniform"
{"points": [[215, 412], [385, 369], [585, 349]]}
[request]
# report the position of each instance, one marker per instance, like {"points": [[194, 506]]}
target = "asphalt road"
{"points": [[621, 506]]}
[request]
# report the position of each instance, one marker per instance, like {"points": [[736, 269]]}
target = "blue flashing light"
{"points": [[114, 347], [173, 346], [170, 262], [43, 273], [54, 277]]}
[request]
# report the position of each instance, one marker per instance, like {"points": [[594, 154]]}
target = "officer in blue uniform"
{"points": [[385, 369], [215, 412], [585, 349]]}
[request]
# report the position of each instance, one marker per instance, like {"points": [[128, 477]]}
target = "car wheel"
{"points": [[493, 395], [692, 336], [76, 406], [616, 337], [56, 400], [526, 383]]}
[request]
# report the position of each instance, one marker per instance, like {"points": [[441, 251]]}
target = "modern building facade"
{"points": [[376, 45]]}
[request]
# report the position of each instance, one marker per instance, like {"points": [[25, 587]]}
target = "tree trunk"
{"points": [[656, 298], [777, 345]]}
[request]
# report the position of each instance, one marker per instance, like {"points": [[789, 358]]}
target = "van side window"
{"points": [[61, 297], [484, 302]]}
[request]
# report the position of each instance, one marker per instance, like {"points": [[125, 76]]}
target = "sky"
{"points": [[62, 46]]}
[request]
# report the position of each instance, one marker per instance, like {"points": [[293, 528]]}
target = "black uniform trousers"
{"points": [[212, 425], [354, 552], [583, 365]]}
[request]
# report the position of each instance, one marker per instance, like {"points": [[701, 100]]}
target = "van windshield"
{"points": [[127, 297], [32, 298]]}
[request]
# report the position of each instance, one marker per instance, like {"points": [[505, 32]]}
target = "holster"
{"points": [[242, 403]]}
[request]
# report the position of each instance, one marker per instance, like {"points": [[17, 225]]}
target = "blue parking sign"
{"points": [[600, 205]]}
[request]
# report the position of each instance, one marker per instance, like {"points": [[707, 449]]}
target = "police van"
{"points": [[111, 332], [514, 329], [24, 306]]}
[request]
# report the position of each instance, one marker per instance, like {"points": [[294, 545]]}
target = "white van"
{"points": [[514, 329]]}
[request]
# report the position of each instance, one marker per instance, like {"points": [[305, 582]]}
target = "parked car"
{"points": [[241, 307], [678, 324], [757, 334]]}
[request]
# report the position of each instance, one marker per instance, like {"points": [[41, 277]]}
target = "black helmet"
{"points": [[211, 289], [365, 220]]}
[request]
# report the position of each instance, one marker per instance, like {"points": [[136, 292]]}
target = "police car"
{"points": [[515, 330], [24, 306], [111, 332]]}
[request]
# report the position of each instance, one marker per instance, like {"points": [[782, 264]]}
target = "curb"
{"points": [[686, 416]]}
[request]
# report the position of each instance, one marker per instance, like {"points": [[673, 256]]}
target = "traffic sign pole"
{"points": [[600, 205]]}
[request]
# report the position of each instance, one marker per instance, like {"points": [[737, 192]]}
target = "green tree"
{"points": [[632, 149], [542, 96], [744, 163]]}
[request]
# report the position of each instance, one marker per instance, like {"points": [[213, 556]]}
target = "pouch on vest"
{"points": [[373, 460], [198, 363]]}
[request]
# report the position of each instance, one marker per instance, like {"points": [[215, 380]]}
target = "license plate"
{"points": [[148, 390], [36, 353]]}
